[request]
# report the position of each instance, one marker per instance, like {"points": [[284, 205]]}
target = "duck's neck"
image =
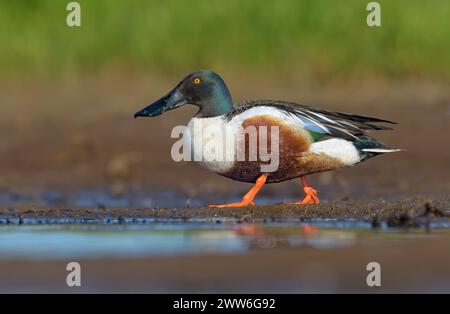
{"points": [[217, 104]]}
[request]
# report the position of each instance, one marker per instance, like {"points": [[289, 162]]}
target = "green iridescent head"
{"points": [[204, 89]]}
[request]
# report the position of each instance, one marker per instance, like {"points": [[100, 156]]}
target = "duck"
{"points": [[309, 139]]}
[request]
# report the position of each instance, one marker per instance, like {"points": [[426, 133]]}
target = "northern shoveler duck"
{"points": [[311, 140]]}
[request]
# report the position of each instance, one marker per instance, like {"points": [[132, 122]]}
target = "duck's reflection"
{"points": [[259, 236]]}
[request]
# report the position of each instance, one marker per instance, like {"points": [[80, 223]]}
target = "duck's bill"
{"points": [[172, 100]]}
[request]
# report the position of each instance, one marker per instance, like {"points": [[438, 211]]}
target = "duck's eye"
{"points": [[197, 81]]}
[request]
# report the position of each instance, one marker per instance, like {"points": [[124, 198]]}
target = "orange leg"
{"points": [[311, 194], [248, 198]]}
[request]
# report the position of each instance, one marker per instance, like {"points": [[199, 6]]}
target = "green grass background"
{"points": [[311, 37]]}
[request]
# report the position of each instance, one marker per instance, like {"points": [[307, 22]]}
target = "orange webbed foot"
{"points": [[247, 200], [310, 198], [242, 203]]}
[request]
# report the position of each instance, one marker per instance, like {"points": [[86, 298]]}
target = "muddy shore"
{"points": [[404, 213]]}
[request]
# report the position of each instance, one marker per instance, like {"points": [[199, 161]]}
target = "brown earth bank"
{"points": [[403, 213], [73, 134]]}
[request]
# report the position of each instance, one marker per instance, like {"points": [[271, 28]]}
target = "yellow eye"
{"points": [[197, 81]]}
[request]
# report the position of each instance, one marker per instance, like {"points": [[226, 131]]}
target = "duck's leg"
{"points": [[248, 198], [311, 194]]}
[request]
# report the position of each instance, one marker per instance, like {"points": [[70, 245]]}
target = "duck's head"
{"points": [[204, 89]]}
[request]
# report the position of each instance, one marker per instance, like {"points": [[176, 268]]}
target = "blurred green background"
{"points": [[310, 37]]}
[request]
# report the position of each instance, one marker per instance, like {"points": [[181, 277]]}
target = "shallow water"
{"points": [[170, 239], [101, 234], [107, 199], [99, 198]]}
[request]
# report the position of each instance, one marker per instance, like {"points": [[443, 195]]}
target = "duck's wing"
{"points": [[335, 124]]}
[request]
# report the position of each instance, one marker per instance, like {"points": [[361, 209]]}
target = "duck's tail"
{"points": [[369, 147], [381, 150]]}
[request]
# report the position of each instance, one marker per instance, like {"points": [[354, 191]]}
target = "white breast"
{"points": [[212, 143], [205, 135]]}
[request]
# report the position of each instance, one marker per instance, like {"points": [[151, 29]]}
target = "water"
{"points": [[106, 198], [100, 235], [99, 197], [69, 241]]}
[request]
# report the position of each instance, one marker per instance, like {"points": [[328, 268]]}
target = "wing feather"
{"points": [[335, 124]]}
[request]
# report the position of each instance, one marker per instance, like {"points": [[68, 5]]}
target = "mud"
{"points": [[404, 213]]}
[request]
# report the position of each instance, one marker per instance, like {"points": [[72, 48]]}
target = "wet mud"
{"points": [[404, 213]]}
